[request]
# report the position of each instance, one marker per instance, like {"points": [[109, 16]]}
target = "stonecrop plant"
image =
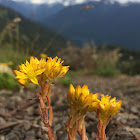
{"points": [[42, 72], [106, 110], [80, 101]]}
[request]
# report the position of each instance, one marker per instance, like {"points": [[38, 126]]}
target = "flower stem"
{"points": [[81, 129], [101, 132], [71, 130], [47, 120]]}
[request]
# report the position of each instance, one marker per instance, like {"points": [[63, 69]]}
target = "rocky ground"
{"points": [[20, 118]]}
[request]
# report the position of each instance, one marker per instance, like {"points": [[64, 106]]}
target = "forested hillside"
{"points": [[28, 33]]}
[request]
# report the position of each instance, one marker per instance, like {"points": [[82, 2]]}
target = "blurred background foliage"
{"points": [[21, 38]]}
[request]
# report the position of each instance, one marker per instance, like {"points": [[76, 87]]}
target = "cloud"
{"points": [[31, 1], [126, 1], [37, 1]]}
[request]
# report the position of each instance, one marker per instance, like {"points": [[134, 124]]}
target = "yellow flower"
{"points": [[108, 109], [54, 68], [42, 55], [4, 64], [10, 63], [81, 101], [29, 72]]}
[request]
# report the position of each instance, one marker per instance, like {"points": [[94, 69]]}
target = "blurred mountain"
{"points": [[104, 23], [36, 12], [107, 22], [31, 34]]}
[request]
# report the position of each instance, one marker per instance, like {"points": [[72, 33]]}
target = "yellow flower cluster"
{"points": [[54, 68], [81, 101], [108, 109], [37, 70], [81, 98]]}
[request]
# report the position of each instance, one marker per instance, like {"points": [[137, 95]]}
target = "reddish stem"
{"points": [[44, 113], [81, 129], [71, 130]]}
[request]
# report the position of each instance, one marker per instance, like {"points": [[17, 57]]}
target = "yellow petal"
{"points": [[57, 70], [27, 64], [80, 102], [113, 100], [38, 72], [77, 91], [63, 71], [118, 105], [93, 107], [102, 106], [95, 96], [23, 68], [23, 82], [85, 90], [71, 94], [34, 80], [20, 75], [88, 100]]}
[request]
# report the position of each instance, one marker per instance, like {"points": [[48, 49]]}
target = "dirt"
{"points": [[20, 118]]}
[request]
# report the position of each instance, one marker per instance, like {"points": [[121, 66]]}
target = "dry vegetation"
{"points": [[91, 58]]}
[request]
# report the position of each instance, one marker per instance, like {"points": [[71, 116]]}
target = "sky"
{"points": [[77, 1]]}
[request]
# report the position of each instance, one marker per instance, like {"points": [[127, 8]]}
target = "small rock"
{"points": [[134, 110], [30, 138], [27, 125], [137, 131], [5, 92], [124, 133], [2, 121], [2, 137], [12, 136], [93, 135], [133, 117], [107, 138], [57, 127], [17, 99], [123, 121]]}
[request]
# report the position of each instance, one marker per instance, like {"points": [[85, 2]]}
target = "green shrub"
{"points": [[130, 67], [107, 70], [8, 82], [9, 54]]}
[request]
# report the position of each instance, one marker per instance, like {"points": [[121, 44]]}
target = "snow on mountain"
{"points": [[52, 2], [72, 2]]}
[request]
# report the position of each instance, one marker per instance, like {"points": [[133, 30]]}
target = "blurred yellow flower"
{"points": [[81, 101], [29, 72], [7, 64], [4, 64], [54, 68], [108, 109], [10, 63], [43, 55]]}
